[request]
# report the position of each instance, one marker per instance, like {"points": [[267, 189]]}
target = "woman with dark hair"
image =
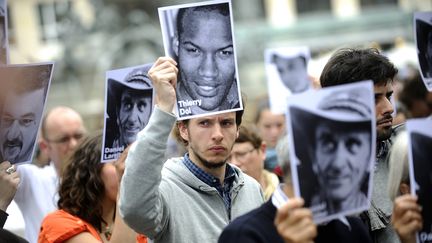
{"points": [[87, 201]]}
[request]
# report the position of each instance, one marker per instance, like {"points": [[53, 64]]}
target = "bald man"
{"points": [[62, 130]]}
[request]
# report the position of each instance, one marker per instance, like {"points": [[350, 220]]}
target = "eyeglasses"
{"points": [[240, 155], [67, 138], [7, 121]]}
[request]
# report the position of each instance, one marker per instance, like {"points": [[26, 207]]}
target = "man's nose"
{"points": [[342, 155], [73, 142], [385, 107], [217, 132], [208, 67], [13, 131], [133, 115]]}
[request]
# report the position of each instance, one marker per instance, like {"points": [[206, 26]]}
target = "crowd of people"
{"points": [[234, 182]]}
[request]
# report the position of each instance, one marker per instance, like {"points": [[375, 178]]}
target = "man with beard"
{"points": [[353, 65], [205, 54], [22, 110], [190, 198]]}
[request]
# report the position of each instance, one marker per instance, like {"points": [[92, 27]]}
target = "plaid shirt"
{"points": [[224, 190]]}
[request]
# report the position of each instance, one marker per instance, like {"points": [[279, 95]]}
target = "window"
{"points": [[51, 16], [308, 6], [374, 3], [249, 10]]}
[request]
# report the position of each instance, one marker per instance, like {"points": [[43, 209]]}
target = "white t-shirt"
{"points": [[37, 195]]}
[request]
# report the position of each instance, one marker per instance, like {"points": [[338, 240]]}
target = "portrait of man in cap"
{"points": [[202, 44], [129, 104], [23, 96], [334, 147]]}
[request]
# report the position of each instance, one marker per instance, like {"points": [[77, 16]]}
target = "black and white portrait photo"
{"points": [[4, 46], [200, 38], [420, 136], [332, 134], [22, 102], [129, 104], [287, 73], [423, 37]]}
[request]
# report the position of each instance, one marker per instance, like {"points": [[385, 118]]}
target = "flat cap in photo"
{"points": [[349, 105]]}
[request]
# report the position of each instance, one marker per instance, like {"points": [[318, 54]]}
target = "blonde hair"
{"points": [[398, 165]]}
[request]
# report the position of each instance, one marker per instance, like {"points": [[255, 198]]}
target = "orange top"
{"points": [[60, 226], [141, 239]]}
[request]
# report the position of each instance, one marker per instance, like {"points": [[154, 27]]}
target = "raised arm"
{"points": [[141, 203]]}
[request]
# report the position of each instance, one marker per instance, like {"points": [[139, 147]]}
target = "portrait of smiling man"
{"points": [[204, 49], [342, 158], [22, 109], [339, 152]]}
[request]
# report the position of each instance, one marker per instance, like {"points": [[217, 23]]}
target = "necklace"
{"points": [[107, 228], [107, 232]]}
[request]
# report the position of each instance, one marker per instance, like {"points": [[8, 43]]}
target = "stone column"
{"points": [[281, 13], [345, 8]]}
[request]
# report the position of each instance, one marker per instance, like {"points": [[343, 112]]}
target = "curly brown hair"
{"points": [[81, 188]]}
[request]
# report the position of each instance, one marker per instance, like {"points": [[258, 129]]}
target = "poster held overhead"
{"points": [[200, 38], [286, 70], [128, 106]]}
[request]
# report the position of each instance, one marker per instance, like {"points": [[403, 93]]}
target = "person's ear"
{"points": [[184, 133], [176, 45], [404, 188], [43, 145], [263, 149]]}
